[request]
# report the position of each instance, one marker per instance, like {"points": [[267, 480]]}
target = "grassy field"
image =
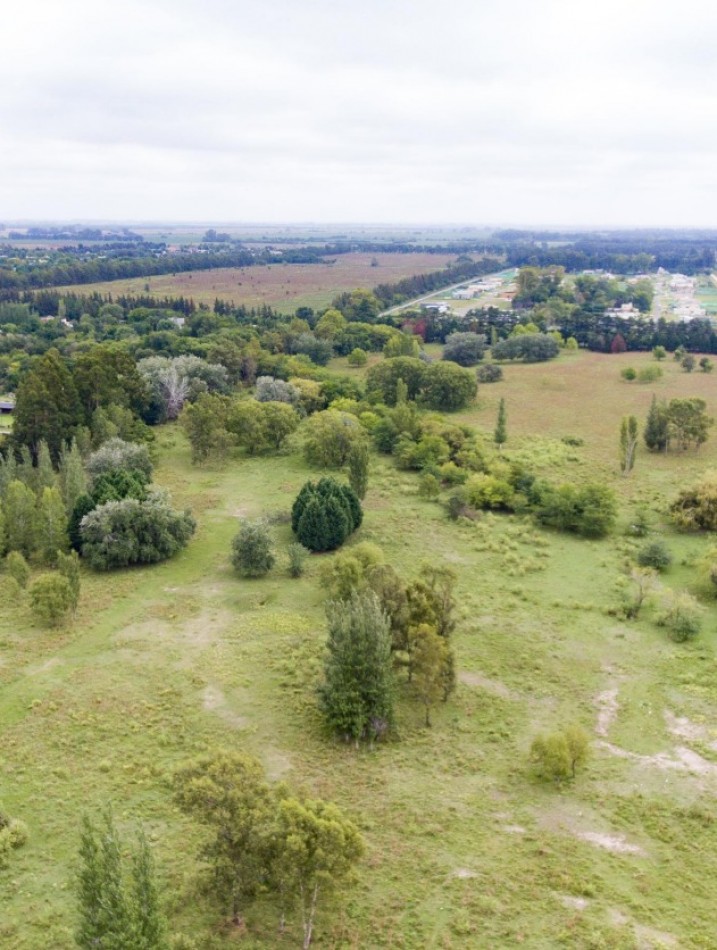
{"points": [[283, 286], [464, 847]]}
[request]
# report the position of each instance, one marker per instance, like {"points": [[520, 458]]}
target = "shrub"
{"points": [[429, 487], [18, 568], [655, 554], [13, 835], [448, 387], [123, 533], [589, 510], [51, 599], [556, 757], [659, 352], [357, 357], [252, 554], [528, 347], [488, 491], [457, 505], [695, 508], [330, 437], [269, 389], [649, 374], [629, 373], [117, 454], [466, 349], [324, 514], [681, 615], [297, 557], [490, 373]]}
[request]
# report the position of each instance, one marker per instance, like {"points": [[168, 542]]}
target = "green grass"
{"points": [[464, 848]]}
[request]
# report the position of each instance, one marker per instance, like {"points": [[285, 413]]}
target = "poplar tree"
{"points": [[656, 434], [21, 519], [628, 444], [500, 436], [358, 468], [357, 696], [73, 480], [52, 525]]}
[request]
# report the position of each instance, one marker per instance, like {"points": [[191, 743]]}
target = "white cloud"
{"points": [[389, 110]]}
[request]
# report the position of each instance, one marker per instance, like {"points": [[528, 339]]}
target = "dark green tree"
{"points": [[500, 436], [358, 468], [47, 406], [656, 427]]}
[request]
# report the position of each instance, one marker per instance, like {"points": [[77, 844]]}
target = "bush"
{"points": [[18, 568], [589, 511], [655, 554], [556, 757], [528, 347], [117, 454], [681, 615], [324, 514], [297, 556], [466, 349], [695, 508], [490, 373], [429, 487], [51, 599], [457, 505], [649, 374], [448, 387], [252, 554], [123, 533], [629, 373], [488, 491], [330, 437], [357, 357], [269, 389]]}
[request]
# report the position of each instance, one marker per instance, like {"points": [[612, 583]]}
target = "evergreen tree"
{"points": [[8, 472], [500, 436], [325, 525], [148, 926], [656, 427], [628, 444], [46, 406], [338, 523], [358, 468], [358, 693], [313, 527], [83, 506], [52, 521]]}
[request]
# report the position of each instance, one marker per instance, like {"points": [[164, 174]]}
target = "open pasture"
{"points": [[282, 286], [464, 847]]}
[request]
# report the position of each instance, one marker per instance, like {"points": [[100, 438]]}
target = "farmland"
{"points": [[464, 847], [282, 286]]}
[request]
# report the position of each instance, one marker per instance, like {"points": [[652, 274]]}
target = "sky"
{"points": [[517, 113]]}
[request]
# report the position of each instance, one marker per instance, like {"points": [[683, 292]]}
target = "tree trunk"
{"points": [[309, 923]]}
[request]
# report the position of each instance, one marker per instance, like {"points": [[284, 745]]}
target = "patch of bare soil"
{"points": [[615, 843], [607, 710], [214, 700], [496, 687], [684, 728]]}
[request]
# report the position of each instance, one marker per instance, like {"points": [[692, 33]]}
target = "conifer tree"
{"points": [[500, 436], [44, 474]]}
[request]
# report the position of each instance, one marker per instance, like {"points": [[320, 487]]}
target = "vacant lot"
{"points": [[464, 847], [283, 286]]}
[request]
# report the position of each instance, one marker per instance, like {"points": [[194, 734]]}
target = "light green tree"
{"points": [[628, 444], [21, 519], [316, 851], [51, 599], [52, 525]]}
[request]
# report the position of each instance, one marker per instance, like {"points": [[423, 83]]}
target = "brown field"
{"points": [[283, 286]]}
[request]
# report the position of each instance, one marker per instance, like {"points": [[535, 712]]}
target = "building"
{"points": [[6, 407]]}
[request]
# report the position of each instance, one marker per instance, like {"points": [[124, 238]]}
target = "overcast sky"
{"points": [[501, 112]]}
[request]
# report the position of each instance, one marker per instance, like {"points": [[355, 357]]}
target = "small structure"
{"points": [[6, 407]]}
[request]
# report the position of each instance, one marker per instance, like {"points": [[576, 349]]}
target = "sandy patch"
{"points": [[607, 710], [682, 759], [574, 903], [683, 728], [496, 687], [615, 843], [463, 873], [214, 700]]}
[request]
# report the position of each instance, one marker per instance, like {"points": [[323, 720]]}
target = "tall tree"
{"points": [[430, 660], [358, 468], [500, 436], [21, 519], [628, 444], [358, 693], [47, 406], [52, 523], [73, 481], [226, 791], [655, 434]]}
